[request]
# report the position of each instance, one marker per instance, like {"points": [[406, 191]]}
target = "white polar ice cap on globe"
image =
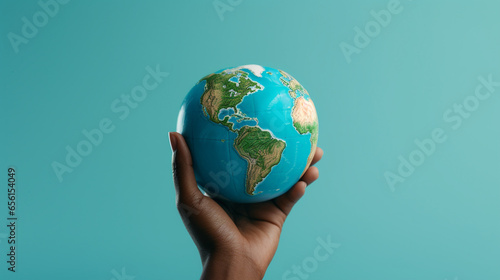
{"points": [[256, 69]]}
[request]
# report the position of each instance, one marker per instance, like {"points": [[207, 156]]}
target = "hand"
{"points": [[235, 241]]}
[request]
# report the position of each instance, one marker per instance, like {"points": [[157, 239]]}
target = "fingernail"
{"points": [[173, 141]]}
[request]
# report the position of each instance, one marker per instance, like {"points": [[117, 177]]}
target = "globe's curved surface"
{"points": [[252, 132]]}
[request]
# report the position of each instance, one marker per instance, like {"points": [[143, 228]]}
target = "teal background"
{"points": [[116, 209]]}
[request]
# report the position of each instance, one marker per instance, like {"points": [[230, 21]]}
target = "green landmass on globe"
{"points": [[221, 93], [261, 151]]}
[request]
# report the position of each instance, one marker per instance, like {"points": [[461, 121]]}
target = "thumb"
{"points": [[186, 188]]}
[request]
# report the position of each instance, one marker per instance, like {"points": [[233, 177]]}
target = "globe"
{"points": [[252, 132]]}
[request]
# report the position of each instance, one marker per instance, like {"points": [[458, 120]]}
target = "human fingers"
{"points": [[286, 201], [311, 175], [317, 155]]}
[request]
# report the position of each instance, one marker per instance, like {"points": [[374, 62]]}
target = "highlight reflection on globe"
{"points": [[252, 132]]}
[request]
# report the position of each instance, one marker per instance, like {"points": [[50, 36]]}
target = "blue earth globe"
{"points": [[252, 132]]}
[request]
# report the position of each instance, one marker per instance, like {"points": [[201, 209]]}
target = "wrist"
{"points": [[226, 265]]}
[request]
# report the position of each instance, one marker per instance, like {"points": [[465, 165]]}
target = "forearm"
{"points": [[225, 267]]}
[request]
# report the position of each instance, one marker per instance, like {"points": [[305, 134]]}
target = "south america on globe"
{"points": [[252, 132]]}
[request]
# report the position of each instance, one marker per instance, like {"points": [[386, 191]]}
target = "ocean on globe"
{"points": [[252, 132]]}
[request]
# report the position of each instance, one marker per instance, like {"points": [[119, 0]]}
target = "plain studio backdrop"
{"points": [[407, 94]]}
